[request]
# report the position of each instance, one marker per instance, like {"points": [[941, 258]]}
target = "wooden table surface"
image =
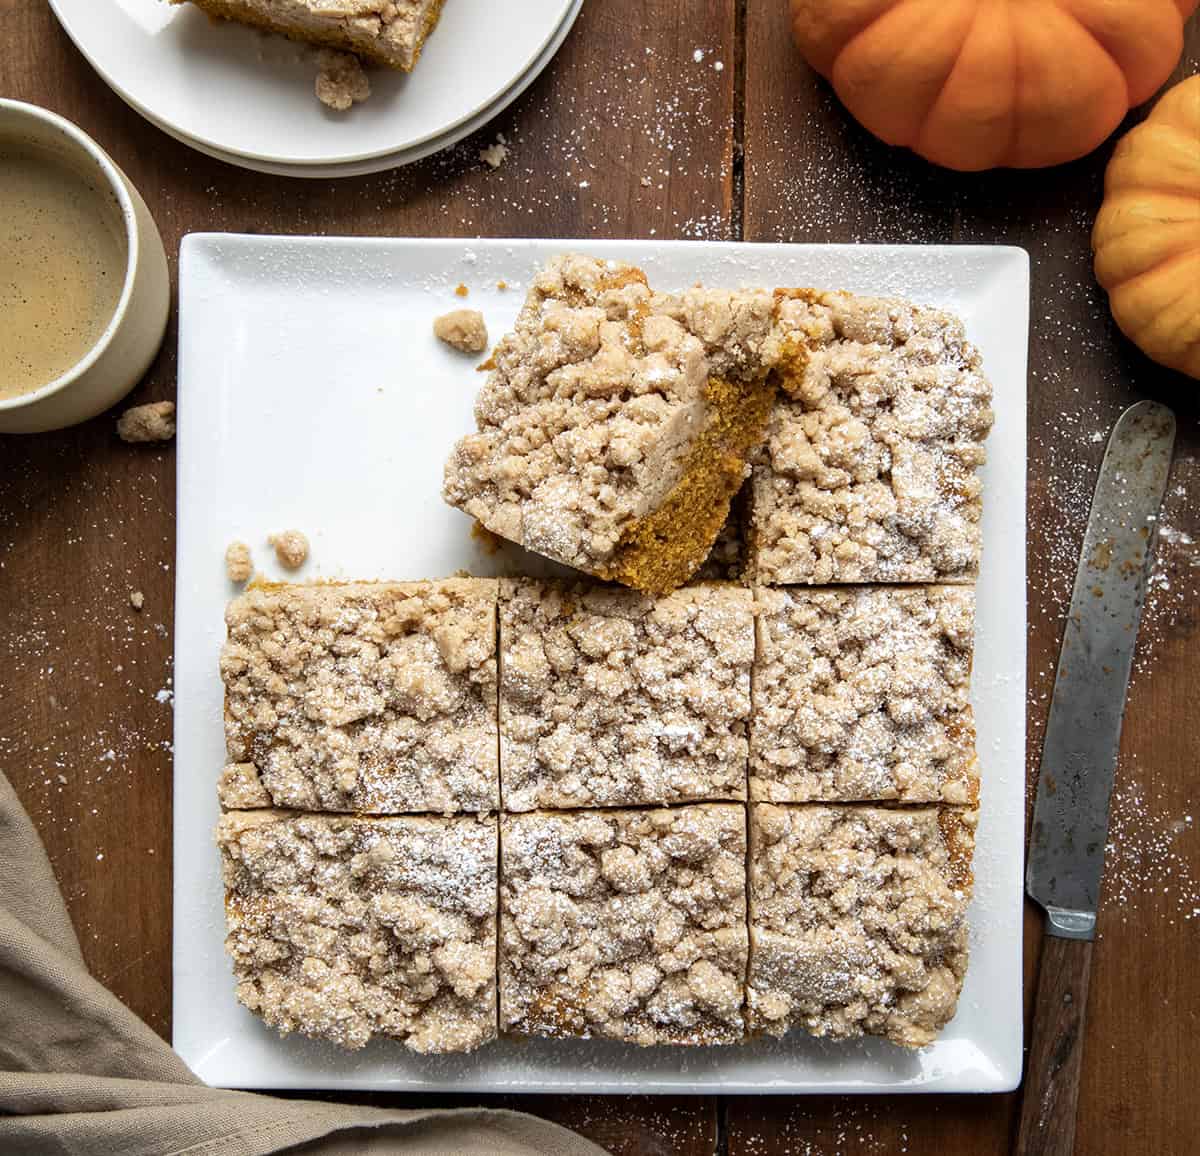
{"points": [[685, 118]]}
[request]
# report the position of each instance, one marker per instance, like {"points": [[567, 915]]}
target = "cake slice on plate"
{"points": [[388, 32]]}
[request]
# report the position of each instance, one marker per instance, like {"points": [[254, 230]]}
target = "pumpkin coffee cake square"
{"points": [[862, 694], [609, 697], [858, 919], [869, 472], [627, 925], [344, 928], [615, 425], [365, 697]]}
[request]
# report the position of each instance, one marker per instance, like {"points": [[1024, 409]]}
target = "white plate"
{"points": [[404, 156], [245, 93], [312, 394]]}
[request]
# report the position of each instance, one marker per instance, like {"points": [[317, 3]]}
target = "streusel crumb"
{"points": [[863, 694], [153, 422], [870, 468], [858, 919], [614, 698], [239, 788], [370, 697], [348, 928], [628, 925], [462, 329], [239, 565], [291, 548], [341, 81], [137, 599]]}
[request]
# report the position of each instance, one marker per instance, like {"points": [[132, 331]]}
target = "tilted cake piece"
{"points": [[389, 32], [628, 925], [347, 928], [863, 694], [369, 697], [609, 697], [858, 919], [869, 469], [615, 425]]}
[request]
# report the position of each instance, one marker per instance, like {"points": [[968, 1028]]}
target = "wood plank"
{"points": [[626, 134], [812, 174]]}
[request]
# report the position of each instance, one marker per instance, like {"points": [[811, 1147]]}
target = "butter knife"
{"points": [[1079, 760]]}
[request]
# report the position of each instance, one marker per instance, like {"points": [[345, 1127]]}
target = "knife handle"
{"points": [[1056, 1051]]}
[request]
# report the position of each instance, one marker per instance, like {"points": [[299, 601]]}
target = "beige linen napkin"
{"points": [[80, 1073]]}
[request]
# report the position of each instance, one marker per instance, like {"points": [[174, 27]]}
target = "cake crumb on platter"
{"points": [[239, 565], [291, 548], [341, 80], [460, 290], [462, 329], [153, 422]]}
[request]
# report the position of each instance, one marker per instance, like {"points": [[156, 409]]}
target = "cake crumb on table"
{"points": [[153, 422], [341, 81], [137, 599], [460, 290], [462, 329], [238, 563], [495, 154], [291, 548]]}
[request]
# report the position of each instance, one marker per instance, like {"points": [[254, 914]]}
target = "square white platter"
{"points": [[312, 394]]}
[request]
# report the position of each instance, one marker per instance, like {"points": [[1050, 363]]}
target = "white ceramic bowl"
{"points": [[113, 366]]}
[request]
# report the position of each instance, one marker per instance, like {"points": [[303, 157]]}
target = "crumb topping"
{"points": [[869, 470], [153, 422], [613, 698], [347, 928], [366, 697], [858, 919], [462, 329], [239, 788], [864, 694], [628, 925]]}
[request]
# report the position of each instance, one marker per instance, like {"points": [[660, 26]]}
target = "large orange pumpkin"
{"points": [[976, 84], [1147, 235]]}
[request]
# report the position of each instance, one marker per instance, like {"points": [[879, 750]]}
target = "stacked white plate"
{"points": [[247, 97]]}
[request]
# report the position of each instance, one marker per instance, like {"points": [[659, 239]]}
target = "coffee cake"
{"points": [[609, 697], [869, 469], [615, 424], [348, 928], [389, 32], [858, 919], [863, 694], [369, 697], [628, 925]]}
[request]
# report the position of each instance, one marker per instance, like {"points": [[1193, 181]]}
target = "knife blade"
{"points": [[1083, 734], [1079, 761]]}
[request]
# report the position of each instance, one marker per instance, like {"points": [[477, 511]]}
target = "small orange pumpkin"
{"points": [[1147, 235], [977, 84]]}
